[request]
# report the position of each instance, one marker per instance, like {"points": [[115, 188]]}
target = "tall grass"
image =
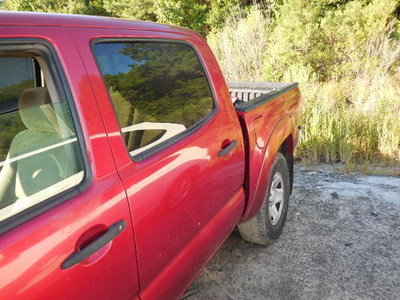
{"points": [[352, 122], [352, 118]]}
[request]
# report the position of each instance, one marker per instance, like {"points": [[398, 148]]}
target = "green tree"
{"points": [[190, 13], [357, 38], [202, 16], [328, 39], [96, 8], [220, 11], [294, 38], [130, 9]]}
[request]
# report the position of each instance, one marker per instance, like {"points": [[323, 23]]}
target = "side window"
{"points": [[158, 89], [39, 152]]}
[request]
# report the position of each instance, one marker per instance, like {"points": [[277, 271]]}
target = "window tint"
{"points": [[159, 89], [39, 153]]}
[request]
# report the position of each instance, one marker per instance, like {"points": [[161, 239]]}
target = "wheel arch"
{"points": [[287, 150]]}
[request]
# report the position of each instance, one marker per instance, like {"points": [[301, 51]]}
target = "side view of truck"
{"points": [[124, 163]]}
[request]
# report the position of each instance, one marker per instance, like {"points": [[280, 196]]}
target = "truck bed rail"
{"points": [[255, 94]]}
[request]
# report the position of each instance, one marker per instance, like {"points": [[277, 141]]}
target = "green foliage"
{"points": [[220, 11], [202, 16], [189, 13], [346, 56], [354, 37], [96, 8], [130, 9], [71, 7], [332, 39], [295, 34], [10, 126]]}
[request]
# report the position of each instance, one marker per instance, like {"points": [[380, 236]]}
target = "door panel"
{"points": [[184, 194], [32, 254], [184, 205]]}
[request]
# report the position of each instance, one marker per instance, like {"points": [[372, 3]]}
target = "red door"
{"points": [[185, 201], [73, 238], [185, 192]]}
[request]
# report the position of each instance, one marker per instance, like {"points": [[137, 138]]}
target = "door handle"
{"points": [[227, 148], [99, 243]]}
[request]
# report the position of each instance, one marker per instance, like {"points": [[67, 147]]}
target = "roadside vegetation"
{"points": [[344, 53]]}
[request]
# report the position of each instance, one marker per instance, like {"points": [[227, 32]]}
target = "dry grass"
{"points": [[240, 45]]}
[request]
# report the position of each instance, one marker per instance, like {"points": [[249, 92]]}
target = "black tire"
{"points": [[267, 225]]}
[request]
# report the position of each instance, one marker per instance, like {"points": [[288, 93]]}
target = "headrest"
{"points": [[34, 97], [36, 110]]}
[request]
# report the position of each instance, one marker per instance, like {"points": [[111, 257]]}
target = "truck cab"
{"points": [[124, 164]]}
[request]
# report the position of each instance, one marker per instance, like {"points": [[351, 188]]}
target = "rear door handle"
{"points": [[228, 148], [92, 248]]}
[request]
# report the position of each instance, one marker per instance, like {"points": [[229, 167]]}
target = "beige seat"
{"points": [[38, 157]]}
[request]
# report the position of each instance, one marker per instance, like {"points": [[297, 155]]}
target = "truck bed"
{"points": [[269, 114]]}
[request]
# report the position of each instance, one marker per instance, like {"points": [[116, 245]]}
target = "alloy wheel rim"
{"points": [[276, 199]]}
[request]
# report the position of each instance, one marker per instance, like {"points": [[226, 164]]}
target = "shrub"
{"points": [[240, 44]]}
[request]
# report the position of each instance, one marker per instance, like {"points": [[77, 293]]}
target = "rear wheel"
{"points": [[267, 225]]}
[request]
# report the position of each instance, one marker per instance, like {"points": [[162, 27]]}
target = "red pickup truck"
{"points": [[124, 164]]}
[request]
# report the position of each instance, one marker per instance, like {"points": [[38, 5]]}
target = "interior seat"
{"points": [[38, 157]]}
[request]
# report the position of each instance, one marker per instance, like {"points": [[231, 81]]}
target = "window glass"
{"points": [[158, 89], [16, 76], [39, 152]]}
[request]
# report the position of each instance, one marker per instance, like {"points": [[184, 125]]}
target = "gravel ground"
{"points": [[341, 241]]}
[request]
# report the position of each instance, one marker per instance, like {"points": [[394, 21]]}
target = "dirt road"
{"points": [[341, 241]]}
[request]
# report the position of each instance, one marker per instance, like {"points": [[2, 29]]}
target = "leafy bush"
{"points": [[347, 41], [189, 13], [45, 6]]}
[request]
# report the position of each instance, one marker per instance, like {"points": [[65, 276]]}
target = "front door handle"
{"points": [[227, 148], [92, 248]]}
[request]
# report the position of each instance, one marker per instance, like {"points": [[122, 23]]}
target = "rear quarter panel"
{"points": [[266, 128]]}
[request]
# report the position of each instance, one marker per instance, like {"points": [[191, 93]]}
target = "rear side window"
{"points": [[158, 89], [39, 152]]}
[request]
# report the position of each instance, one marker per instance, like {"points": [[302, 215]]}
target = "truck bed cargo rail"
{"points": [[254, 94]]}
